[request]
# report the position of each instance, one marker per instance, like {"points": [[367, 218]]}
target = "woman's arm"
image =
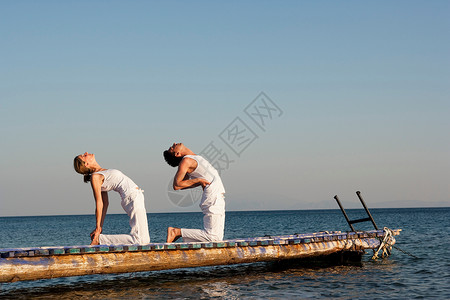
{"points": [[181, 180], [105, 201], [100, 208]]}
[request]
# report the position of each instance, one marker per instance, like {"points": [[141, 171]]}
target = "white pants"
{"points": [[214, 225], [134, 206]]}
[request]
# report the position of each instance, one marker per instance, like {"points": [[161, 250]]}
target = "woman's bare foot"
{"points": [[173, 234]]}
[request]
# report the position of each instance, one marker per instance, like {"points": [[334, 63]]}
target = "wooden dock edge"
{"points": [[53, 266]]}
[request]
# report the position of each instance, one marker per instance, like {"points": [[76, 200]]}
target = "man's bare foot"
{"points": [[173, 234]]}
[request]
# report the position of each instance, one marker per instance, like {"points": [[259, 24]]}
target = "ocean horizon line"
{"points": [[234, 211]]}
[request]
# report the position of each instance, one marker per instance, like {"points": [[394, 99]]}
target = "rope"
{"points": [[386, 244], [407, 253]]}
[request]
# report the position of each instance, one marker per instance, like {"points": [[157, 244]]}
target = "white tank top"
{"points": [[206, 171], [213, 200], [118, 182]]}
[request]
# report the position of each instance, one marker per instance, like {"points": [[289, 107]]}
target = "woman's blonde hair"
{"points": [[80, 167]]}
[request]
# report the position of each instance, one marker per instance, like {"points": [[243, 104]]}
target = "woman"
{"points": [[103, 181]]}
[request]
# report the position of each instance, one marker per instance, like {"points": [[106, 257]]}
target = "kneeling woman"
{"points": [[104, 180]]}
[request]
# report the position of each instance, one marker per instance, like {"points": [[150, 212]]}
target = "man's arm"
{"points": [[181, 180]]}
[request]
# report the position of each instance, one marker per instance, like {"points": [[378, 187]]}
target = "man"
{"points": [[193, 171]]}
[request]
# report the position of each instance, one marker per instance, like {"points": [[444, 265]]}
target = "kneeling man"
{"points": [[194, 170]]}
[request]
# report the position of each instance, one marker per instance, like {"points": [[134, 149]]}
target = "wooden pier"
{"points": [[52, 262]]}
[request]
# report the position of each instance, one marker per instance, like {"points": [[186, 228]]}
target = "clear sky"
{"points": [[356, 93]]}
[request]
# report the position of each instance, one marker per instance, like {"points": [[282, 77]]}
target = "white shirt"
{"points": [[213, 194], [118, 182]]}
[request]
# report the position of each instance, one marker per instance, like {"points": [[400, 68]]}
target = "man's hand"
{"points": [[204, 182], [182, 181]]}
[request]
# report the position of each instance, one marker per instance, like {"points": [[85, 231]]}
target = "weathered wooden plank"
{"points": [[40, 263]]}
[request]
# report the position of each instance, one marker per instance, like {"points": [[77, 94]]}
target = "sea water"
{"points": [[426, 235]]}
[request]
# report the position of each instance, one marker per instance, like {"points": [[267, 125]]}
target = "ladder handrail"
{"points": [[350, 222]]}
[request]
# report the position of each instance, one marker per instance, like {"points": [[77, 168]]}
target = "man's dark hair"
{"points": [[171, 159]]}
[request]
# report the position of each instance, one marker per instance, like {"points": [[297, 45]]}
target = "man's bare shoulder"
{"points": [[188, 162]]}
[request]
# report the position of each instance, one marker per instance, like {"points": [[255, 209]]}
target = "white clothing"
{"points": [[132, 203], [214, 227], [118, 182], [212, 204]]}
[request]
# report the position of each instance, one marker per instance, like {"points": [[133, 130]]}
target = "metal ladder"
{"points": [[369, 218]]}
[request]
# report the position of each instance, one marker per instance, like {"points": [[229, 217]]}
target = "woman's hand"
{"points": [[96, 230], [95, 235]]}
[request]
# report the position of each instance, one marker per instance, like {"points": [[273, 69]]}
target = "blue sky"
{"points": [[363, 89]]}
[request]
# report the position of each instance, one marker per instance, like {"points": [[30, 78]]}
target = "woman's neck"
{"points": [[97, 168]]}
